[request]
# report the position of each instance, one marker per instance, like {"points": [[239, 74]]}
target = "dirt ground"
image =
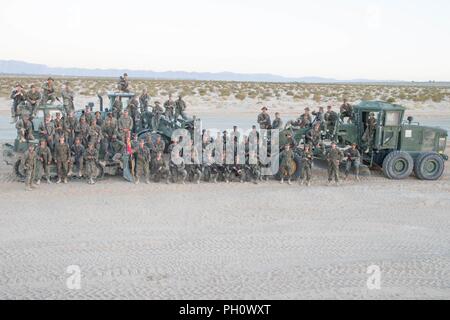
{"points": [[236, 241]]}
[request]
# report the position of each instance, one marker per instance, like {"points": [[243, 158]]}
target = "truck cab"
{"points": [[398, 146]]}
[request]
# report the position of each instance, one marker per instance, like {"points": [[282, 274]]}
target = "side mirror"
{"points": [[410, 119]]}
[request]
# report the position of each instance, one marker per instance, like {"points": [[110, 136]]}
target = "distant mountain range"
{"points": [[12, 67]]}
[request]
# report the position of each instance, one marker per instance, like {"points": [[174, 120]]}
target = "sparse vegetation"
{"points": [[414, 92]]}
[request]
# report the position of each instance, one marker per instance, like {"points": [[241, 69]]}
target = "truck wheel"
{"points": [[398, 165], [429, 166], [19, 170], [296, 169]]}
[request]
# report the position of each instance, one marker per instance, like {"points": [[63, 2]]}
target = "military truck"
{"points": [[397, 146], [13, 154]]}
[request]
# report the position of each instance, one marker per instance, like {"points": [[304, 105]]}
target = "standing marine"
{"points": [[353, 160], [264, 119], [29, 165], [62, 158], [90, 155], [306, 165], [287, 161], [143, 159], [48, 92], [334, 157]]}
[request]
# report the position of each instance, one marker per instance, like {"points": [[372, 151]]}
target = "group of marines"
{"points": [[74, 144]]}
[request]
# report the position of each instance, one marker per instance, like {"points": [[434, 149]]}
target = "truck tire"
{"points": [[297, 170], [398, 165], [429, 166]]}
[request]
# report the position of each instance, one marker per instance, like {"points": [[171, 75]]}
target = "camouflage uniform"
{"points": [[108, 131], [180, 109], [334, 158], [306, 166], [62, 157], [369, 133], [82, 131], [59, 128], [169, 107], [33, 99], [91, 157], [133, 112], [94, 135], [157, 113], [346, 111], [44, 158], [48, 93], [47, 132], [157, 147], [29, 165], [125, 126], [304, 121], [70, 124], [143, 159], [264, 121], [77, 152], [159, 170], [123, 84], [353, 158], [287, 160], [143, 102], [117, 108], [67, 97], [18, 97], [277, 123], [313, 136], [25, 129], [177, 170], [331, 119]]}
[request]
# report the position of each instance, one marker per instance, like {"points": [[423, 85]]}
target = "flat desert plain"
{"points": [[115, 240]]}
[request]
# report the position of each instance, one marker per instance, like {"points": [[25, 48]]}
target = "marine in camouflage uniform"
{"points": [[158, 112], [77, 160], [125, 124], [33, 99], [331, 119], [305, 119], [133, 111], [70, 125], [67, 98], [287, 161], [18, 97], [369, 133], [306, 165], [29, 165], [353, 159], [82, 130], [346, 111], [180, 109], [91, 156], [264, 119], [159, 168], [157, 147], [123, 84], [277, 122], [47, 131], [58, 123], [144, 99], [62, 158], [44, 160], [334, 157], [48, 92], [108, 132], [313, 135], [117, 107], [25, 129], [169, 107], [194, 169], [177, 168], [94, 134], [143, 159]]}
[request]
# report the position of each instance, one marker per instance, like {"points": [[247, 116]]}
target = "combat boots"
{"points": [[48, 181], [289, 182], [282, 180], [38, 182], [137, 181], [65, 180]]}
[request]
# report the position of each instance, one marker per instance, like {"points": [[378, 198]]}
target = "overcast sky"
{"points": [[346, 39]]}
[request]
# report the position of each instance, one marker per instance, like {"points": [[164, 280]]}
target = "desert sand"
{"points": [[237, 241]]}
